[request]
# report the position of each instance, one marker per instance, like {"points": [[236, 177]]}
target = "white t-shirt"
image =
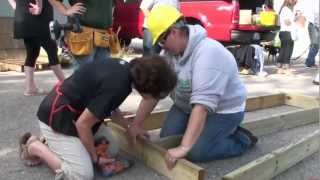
{"points": [[286, 14], [149, 4]]}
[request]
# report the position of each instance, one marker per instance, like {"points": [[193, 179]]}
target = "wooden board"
{"points": [[153, 156], [267, 101], [265, 125], [277, 161], [302, 101], [253, 103], [18, 65], [283, 121]]}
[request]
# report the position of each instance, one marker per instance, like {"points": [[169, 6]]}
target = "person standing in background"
{"points": [[312, 17], [95, 18], [31, 23], [146, 6], [286, 36]]}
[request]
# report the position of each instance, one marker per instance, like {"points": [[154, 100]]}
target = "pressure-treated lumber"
{"points": [[253, 103], [153, 156], [18, 65], [277, 161], [267, 125], [302, 101], [267, 101]]}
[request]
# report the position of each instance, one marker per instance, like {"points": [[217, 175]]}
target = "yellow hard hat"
{"points": [[160, 19]]}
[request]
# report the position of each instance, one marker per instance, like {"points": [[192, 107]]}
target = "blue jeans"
{"points": [[219, 138], [314, 34], [97, 54], [148, 48], [313, 51]]}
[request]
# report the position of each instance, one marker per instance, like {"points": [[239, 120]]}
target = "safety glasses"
{"points": [[163, 37]]}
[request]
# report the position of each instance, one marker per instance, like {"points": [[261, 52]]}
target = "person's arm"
{"points": [[84, 125], [145, 7], [12, 4], [77, 8], [146, 12], [118, 117], [35, 9], [195, 126], [135, 129]]}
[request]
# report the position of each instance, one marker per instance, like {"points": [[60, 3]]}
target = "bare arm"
{"points": [[195, 126], [12, 4], [59, 6], [84, 125], [145, 108], [135, 130], [77, 8]]}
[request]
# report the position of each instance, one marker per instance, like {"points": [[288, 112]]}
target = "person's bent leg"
{"points": [[175, 122], [75, 159], [218, 139]]}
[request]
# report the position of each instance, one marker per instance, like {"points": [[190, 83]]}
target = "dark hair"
{"points": [[152, 75]]}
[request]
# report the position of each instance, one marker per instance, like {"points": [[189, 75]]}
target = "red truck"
{"points": [[219, 17]]}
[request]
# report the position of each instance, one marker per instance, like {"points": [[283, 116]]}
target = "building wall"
{"points": [[5, 9]]}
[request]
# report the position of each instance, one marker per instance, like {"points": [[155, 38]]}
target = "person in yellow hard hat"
{"points": [[146, 6], [209, 99]]}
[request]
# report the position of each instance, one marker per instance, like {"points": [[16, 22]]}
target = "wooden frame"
{"points": [[152, 153], [277, 161]]}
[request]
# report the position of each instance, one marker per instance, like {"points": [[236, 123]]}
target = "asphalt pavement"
{"points": [[18, 115]]}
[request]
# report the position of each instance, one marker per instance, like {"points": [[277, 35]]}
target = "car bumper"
{"points": [[252, 37]]}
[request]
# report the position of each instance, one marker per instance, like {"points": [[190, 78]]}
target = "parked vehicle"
{"points": [[219, 17]]}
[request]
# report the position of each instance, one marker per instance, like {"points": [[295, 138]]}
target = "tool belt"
{"points": [[83, 43]]}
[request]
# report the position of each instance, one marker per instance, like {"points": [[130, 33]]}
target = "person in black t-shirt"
{"points": [[71, 115], [31, 23]]}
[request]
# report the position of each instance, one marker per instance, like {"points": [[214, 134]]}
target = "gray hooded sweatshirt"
{"points": [[207, 75]]}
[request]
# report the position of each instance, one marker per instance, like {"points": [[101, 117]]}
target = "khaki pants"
{"points": [[76, 162]]}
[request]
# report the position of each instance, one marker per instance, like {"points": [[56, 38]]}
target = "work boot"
{"points": [[253, 139]]}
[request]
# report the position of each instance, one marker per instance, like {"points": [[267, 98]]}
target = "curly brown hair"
{"points": [[152, 75]]}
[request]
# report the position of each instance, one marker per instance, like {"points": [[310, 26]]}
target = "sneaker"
{"points": [[55, 30], [312, 66], [315, 82], [253, 139]]}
